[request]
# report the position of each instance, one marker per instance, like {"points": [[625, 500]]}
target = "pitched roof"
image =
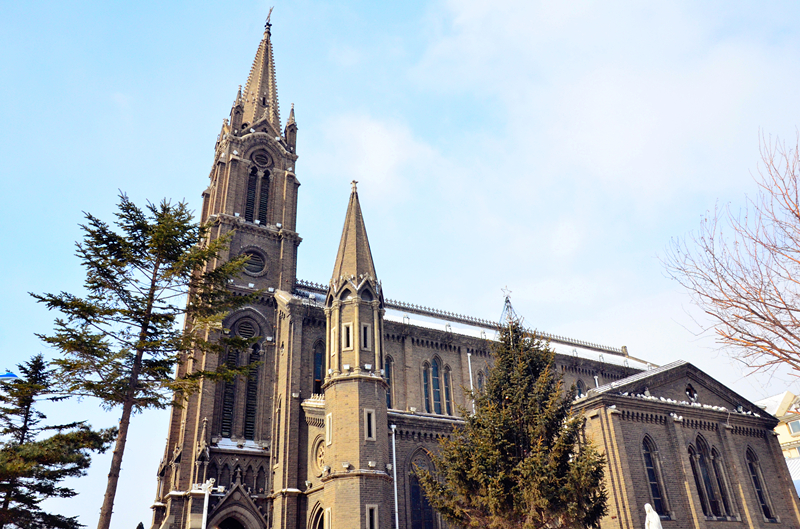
{"points": [[617, 384], [354, 258]]}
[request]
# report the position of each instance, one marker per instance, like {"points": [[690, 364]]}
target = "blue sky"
{"points": [[554, 148]]}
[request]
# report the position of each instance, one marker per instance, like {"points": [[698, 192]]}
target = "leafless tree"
{"points": [[743, 268]]}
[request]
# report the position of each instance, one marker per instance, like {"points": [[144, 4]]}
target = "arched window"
{"points": [[387, 370], [261, 481], [249, 478], [722, 482], [228, 397], [225, 476], [653, 469], [318, 519], [250, 203], [693, 461], [448, 399], [319, 367], [263, 199], [480, 380], [437, 387], [580, 391], [422, 516], [706, 477], [426, 386], [758, 483], [251, 402]]}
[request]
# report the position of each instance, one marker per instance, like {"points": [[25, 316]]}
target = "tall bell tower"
{"points": [[226, 430]]}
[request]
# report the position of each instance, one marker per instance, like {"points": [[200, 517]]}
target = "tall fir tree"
{"points": [[33, 464], [521, 460], [156, 294]]}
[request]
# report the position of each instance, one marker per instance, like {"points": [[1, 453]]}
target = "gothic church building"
{"points": [[354, 389]]}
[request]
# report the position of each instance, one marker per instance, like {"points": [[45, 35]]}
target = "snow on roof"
{"points": [[633, 378], [313, 294], [772, 405], [491, 334]]}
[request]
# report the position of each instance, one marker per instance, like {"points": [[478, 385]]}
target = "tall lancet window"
{"points": [[388, 366], [653, 469], [319, 367], [448, 399], [263, 199], [758, 483], [251, 404], [426, 386], [437, 387], [228, 397], [250, 203]]}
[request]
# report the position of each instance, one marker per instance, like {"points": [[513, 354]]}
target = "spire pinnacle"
{"points": [[291, 116], [261, 89], [354, 259]]}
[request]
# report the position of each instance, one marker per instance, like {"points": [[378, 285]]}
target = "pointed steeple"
{"points": [[354, 259], [261, 91]]}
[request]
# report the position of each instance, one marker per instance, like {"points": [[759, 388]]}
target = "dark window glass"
{"points": [[263, 200], [437, 392], [319, 367], [581, 390], [388, 373], [755, 475], [702, 461], [426, 387], [652, 477], [716, 462], [250, 203], [697, 481], [228, 398], [447, 396], [421, 510], [251, 404]]}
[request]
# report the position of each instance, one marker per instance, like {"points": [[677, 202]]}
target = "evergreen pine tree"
{"points": [[155, 297], [32, 464], [520, 461]]}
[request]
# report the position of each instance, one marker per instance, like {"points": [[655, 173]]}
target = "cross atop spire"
{"points": [[354, 259]]}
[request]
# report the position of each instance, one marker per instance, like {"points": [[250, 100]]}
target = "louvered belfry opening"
{"points": [[250, 205], [255, 265], [229, 397], [263, 199], [252, 397]]}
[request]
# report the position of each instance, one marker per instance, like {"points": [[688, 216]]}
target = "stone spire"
{"points": [[261, 91], [354, 258]]}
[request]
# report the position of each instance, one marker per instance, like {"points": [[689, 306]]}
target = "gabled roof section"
{"points": [[354, 259], [261, 91], [682, 384], [634, 380]]}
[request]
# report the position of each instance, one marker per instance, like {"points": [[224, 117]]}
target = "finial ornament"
{"points": [[353, 183], [269, 15]]}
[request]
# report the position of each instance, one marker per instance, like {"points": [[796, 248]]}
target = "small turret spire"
{"points": [[291, 116], [354, 258]]}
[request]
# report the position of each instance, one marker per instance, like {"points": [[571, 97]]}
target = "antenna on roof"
{"points": [[508, 315]]}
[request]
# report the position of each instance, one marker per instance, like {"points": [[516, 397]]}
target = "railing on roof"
{"points": [[467, 320]]}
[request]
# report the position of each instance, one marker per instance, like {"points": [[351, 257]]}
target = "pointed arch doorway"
{"points": [[231, 523]]}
